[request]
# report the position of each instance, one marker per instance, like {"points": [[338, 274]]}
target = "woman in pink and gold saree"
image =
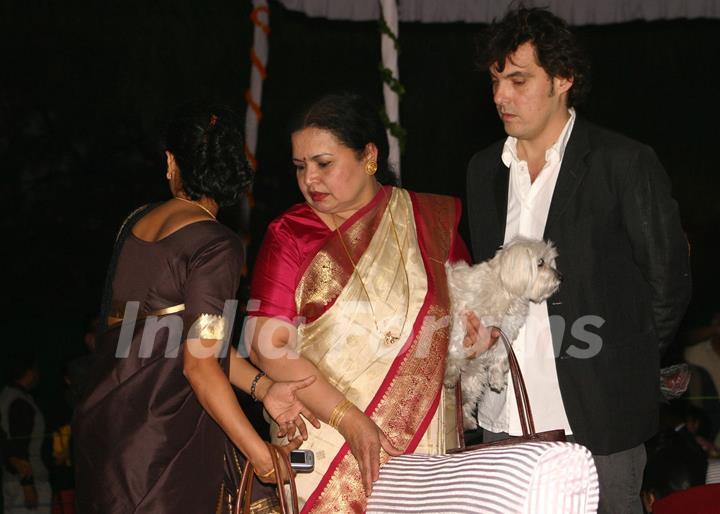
{"points": [[350, 286]]}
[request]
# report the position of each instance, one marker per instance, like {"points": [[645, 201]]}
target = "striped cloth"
{"points": [[532, 478], [713, 472]]}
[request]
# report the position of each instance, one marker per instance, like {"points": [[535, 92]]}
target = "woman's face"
{"points": [[330, 176]]}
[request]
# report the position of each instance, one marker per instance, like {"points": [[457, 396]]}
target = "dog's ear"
{"points": [[453, 271], [458, 278], [517, 266]]}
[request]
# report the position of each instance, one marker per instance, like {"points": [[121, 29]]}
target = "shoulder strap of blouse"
{"points": [[120, 238]]}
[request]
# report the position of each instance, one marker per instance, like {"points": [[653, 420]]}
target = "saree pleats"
{"points": [[143, 443]]}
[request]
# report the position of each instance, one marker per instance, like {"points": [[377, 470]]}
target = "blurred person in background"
{"points": [[26, 486]]}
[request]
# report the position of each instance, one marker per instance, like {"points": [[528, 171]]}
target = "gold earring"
{"points": [[371, 167]]}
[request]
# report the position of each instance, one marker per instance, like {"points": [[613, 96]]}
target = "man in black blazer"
{"points": [[604, 200]]}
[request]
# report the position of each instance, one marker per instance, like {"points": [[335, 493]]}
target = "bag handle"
{"points": [[527, 423], [521, 397], [244, 495]]}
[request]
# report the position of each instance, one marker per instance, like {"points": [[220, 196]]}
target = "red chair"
{"points": [[703, 499]]}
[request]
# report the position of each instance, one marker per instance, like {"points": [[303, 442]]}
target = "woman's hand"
{"points": [[478, 339], [286, 409], [366, 440], [285, 472]]}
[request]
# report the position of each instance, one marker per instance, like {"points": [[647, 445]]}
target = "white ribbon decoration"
{"points": [[390, 61], [260, 17], [576, 12]]}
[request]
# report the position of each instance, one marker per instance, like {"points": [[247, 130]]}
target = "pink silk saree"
{"points": [[303, 270]]}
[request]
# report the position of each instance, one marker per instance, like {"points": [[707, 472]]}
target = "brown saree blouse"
{"points": [[143, 442]]}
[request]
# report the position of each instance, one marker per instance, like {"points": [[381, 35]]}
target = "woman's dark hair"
{"points": [[354, 122], [556, 49], [674, 463], [209, 149]]}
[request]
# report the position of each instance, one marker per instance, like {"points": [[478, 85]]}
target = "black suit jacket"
{"points": [[626, 285]]}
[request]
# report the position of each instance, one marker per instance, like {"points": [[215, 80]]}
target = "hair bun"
{"points": [[209, 149]]}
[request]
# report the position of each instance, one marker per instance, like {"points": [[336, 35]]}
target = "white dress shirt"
{"points": [[528, 206]]}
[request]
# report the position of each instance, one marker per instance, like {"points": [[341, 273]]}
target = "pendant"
{"points": [[390, 339]]}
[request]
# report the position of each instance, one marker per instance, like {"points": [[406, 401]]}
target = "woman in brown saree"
{"points": [[350, 286], [159, 418]]}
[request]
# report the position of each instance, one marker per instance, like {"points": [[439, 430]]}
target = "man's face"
{"points": [[528, 100]]}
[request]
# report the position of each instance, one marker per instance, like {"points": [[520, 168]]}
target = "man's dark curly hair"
{"points": [[209, 149], [556, 48]]}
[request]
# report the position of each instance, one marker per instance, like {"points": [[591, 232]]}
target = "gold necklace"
{"points": [[191, 202], [389, 339]]}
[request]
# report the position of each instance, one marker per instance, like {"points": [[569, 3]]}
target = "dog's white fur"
{"points": [[498, 291]]}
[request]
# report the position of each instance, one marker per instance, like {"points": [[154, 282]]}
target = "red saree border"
{"points": [[379, 196], [344, 227], [434, 269], [331, 251]]}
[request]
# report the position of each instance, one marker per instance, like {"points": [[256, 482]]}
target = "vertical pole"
{"points": [[260, 17], [390, 62]]}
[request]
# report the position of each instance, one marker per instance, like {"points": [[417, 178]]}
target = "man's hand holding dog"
{"points": [[478, 338]]}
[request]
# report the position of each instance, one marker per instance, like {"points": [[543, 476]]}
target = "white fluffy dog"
{"points": [[498, 291]]}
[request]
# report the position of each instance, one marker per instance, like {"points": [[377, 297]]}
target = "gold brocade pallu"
{"points": [[399, 385]]}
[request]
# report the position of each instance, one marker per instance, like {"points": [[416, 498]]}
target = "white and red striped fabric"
{"points": [[528, 478], [713, 472]]}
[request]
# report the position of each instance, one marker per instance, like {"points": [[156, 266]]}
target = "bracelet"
{"points": [[265, 475], [338, 413], [254, 385]]}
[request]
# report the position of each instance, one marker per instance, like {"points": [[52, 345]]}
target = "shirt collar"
{"points": [[553, 154]]}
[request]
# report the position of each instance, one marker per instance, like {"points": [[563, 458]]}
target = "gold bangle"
{"points": [[338, 413], [265, 475], [342, 412]]}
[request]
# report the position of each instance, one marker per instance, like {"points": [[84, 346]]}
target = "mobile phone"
{"points": [[302, 461]]}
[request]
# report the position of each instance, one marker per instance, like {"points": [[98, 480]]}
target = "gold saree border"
{"points": [[117, 312], [329, 271]]}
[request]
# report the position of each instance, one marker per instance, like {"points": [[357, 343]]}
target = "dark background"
{"points": [[85, 85]]}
